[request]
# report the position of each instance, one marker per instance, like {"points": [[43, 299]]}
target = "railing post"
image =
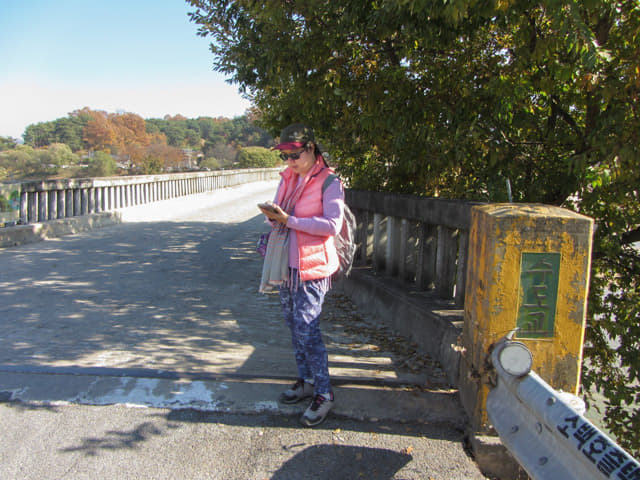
{"points": [[97, 200], [461, 268], [425, 276], [110, 201], [446, 254], [24, 207], [61, 204], [406, 270], [68, 203], [84, 201], [53, 205], [77, 202], [393, 246], [42, 206], [33, 207], [114, 194], [91, 201], [528, 268], [379, 241], [365, 236]]}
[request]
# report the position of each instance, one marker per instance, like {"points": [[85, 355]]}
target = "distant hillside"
{"points": [[95, 143]]}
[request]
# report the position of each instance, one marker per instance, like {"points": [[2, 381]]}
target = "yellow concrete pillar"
{"points": [[528, 268]]}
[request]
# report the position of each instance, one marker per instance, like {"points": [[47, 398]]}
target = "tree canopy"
{"points": [[258, 157], [455, 98]]}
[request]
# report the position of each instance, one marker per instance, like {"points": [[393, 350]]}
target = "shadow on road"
{"points": [[343, 461], [167, 296]]}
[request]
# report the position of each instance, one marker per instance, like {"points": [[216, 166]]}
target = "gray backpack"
{"points": [[345, 239]]}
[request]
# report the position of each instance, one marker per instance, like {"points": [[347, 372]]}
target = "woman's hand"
{"points": [[278, 215]]}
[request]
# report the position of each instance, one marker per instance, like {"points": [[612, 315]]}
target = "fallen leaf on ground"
{"points": [[406, 451]]}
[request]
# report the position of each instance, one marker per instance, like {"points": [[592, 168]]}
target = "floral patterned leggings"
{"points": [[302, 308]]}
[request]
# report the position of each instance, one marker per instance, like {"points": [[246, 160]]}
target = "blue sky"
{"points": [[140, 56]]}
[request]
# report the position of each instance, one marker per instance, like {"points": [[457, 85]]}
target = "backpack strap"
{"points": [[327, 181]]}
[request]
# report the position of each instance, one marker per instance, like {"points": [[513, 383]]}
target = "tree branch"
{"points": [[557, 109], [631, 237]]}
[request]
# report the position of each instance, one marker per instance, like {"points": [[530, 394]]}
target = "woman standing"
{"points": [[300, 259]]}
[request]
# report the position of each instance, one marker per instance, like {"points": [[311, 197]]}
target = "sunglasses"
{"points": [[292, 156]]}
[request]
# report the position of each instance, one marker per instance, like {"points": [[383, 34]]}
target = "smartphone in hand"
{"points": [[268, 206]]}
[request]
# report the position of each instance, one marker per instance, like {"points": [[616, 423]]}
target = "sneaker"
{"points": [[299, 391], [317, 411]]}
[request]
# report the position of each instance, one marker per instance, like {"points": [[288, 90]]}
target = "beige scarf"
{"points": [[275, 269]]}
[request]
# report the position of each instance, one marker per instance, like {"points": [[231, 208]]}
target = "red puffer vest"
{"points": [[318, 256]]}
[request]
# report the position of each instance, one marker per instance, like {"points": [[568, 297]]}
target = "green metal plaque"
{"points": [[539, 276]]}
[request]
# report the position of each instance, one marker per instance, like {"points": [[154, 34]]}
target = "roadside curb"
{"points": [[37, 232], [228, 395]]}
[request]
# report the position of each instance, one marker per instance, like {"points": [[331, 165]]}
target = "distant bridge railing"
{"points": [[55, 199]]}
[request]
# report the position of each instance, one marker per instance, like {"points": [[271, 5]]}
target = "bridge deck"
{"points": [[163, 311]]}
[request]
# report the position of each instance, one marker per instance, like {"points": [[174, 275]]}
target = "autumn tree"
{"points": [[130, 130], [162, 157], [455, 99], [99, 134], [118, 133], [131, 136]]}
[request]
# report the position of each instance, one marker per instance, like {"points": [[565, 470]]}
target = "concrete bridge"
{"points": [[160, 310]]}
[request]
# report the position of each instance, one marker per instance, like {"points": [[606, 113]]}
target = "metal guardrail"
{"points": [[544, 429]]}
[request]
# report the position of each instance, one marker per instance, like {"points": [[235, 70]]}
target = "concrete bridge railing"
{"points": [[46, 200], [421, 242], [410, 268], [456, 276]]}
